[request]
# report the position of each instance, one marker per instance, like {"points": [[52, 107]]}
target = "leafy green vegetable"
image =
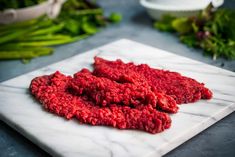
{"points": [[25, 53], [72, 26], [189, 40], [13, 35], [213, 31], [225, 23], [165, 24], [115, 17], [28, 39], [182, 25], [87, 26]]}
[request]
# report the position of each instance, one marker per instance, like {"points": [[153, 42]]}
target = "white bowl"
{"points": [[50, 7], [178, 8]]}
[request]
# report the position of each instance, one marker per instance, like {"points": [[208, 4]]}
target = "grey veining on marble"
{"points": [[216, 141], [60, 137]]}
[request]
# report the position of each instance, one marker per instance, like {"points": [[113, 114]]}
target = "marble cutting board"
{"points": [[60, 137]]}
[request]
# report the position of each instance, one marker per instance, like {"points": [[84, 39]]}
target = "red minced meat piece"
{"points": [[125, 75], [104, 91], [182, 89], [56, 97]]}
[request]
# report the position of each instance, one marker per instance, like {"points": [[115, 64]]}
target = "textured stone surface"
{"points": [[67, 138], [218, 140]]}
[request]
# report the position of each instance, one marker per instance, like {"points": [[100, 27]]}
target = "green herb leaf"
{"points": [[115, 17], [213, 31], [165, 23], [88, 27], [73, 26], [182, 25]]}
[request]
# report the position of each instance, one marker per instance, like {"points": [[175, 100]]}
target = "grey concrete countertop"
{"points": [[216, 141]]}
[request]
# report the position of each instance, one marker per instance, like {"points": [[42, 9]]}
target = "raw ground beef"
{"points": [[182, 89], [103, 91], [54, 93], [117, 94]]}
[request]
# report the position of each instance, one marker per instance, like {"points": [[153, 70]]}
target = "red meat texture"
{"points": [[182, 89], [54, 93], [117, 94], [104, 92]]}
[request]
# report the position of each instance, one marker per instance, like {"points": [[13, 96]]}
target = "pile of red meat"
{"points": [[118, 94]]}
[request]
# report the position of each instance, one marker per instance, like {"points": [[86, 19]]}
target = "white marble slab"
{"points": [[60, 137]]}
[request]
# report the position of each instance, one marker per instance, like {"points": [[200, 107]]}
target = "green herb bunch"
{"points": [[29, 39], [212, 30]]}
